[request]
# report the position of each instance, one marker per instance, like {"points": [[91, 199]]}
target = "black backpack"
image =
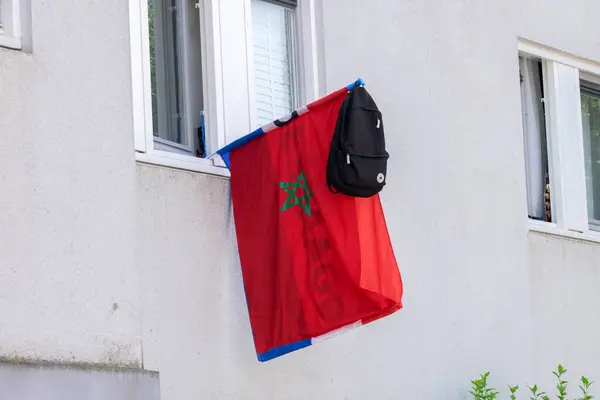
{"points": [[357, 163]]}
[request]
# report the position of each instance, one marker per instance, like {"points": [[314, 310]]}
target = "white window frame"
{"points": [[565, 140], [227, 76], [10, 24]]}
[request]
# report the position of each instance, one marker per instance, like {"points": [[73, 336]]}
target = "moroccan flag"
{"points": [[313, 262]]}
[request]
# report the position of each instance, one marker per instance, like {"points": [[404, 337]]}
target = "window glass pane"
{"points": [[165, 70], [153, 66], [274, 63], [1, 22], [535, 140], [590, 112]]}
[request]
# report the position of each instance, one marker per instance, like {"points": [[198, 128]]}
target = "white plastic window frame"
{"points": [[227, 77], [10, 24], [565, 141]]}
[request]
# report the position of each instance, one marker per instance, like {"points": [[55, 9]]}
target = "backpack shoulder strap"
{"points": [[344, 115]]}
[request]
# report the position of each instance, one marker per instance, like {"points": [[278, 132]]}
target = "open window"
{"points": [[539, 203], [175, 75], [205, 73], [560, 97]]}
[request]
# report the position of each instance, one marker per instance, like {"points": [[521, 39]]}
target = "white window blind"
{"points": [[274, 63]]}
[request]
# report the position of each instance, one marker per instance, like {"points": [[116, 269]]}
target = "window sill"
{"points": [[552, 229], [188, 163], [10, 42]]}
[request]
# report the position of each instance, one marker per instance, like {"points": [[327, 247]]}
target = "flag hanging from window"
{"points": [[314, 263]]}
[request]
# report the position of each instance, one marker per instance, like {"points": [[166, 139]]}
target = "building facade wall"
{"points": [[106, 261], [70, 290]]}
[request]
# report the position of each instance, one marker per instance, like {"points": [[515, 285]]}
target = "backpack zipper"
{"points": [[348, 158]]}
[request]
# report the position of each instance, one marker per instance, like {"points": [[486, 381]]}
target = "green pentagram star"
{"points": [[293, 199]]}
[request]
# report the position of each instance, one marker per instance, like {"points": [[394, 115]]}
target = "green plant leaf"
{"points": [[585, 381], [534, 389], [561, 369], [513, 390]]}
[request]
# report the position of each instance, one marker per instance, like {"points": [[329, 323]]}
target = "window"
{"points": [[10, 24], [206, 73], [535, 140], [560, 99], [590, 116], [175, 75]]}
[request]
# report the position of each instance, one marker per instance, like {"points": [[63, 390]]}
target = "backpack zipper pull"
{"points": [[347, 158], [378, 123]]}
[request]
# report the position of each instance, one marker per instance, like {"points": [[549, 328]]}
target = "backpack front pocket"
{"points": [[366, 171]]}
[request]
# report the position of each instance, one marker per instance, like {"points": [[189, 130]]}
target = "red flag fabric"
{"points": [[313, 262]]}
